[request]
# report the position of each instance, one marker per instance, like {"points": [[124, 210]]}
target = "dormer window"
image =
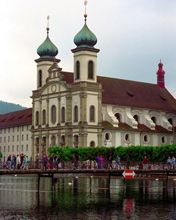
{"points": [[77, 70], [136, 117], [90, 70], [118, 116], [153, 119], [170, 121]]}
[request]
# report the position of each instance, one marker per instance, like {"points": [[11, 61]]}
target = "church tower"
{"points": [[85, 55], [47, 52], [86, 91]]}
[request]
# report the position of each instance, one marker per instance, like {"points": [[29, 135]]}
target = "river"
{"points": [[86, 198]]}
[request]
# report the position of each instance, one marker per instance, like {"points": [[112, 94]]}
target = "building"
{"points": [[80, 108]]}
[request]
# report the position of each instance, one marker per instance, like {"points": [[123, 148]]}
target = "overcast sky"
{"points": [[133, 35]]}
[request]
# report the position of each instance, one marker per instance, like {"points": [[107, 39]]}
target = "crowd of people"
{"points": [[44, 162], [19, 161]]}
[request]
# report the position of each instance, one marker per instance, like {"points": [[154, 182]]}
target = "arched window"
{"points": [[37, 118], [127, 138], [53, 114], [136, 117], [145, 138], [163, 140], [153, 119], [76, 140], [90, 70], [44, 117], [92, 113], [77, 70], [92, 144], [107, 136], [170, 121], [53, 140], [63, 115], [39, 78], [118, 116], [62, 140], [76, 113]]}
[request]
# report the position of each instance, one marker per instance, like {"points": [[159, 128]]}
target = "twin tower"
{"points": [[67, 107]]}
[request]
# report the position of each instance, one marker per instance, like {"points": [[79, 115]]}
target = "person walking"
{"points": [[118, 163]]}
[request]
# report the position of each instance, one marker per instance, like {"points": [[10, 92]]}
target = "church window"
{"points": [[39, 78], [92, 144], [118, 116], [153, 119], [76, 140], [76, 113], [145, 138], [37, 118], [53, 140], [62, 140], [136, 117], [63, 115], [170, 121], [77, 70], [92, 113], [90, 70], [127, 138], [163, 140], [53, 114], [44, 117], [107, 136]]}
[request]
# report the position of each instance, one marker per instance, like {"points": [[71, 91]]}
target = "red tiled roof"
{"points": [[132, 93], [18, 118]]}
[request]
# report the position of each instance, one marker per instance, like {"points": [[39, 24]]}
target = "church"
{"points": [[81, 108]]}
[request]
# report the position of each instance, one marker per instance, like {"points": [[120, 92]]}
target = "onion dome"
{"points": [[85, 37], [47, 48]]}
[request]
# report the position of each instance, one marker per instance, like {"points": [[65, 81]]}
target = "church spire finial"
{"points": [[85, 13], [47, 28]]}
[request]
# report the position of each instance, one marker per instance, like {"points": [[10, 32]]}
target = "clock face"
{"points": [[53, 88]]}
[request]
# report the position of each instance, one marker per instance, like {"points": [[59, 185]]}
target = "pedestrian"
{"points": [[45, 161], [13, 163], [18, 161], [173, 162], [8, 162], [75, 160], [109, 160], [169, 162], [145, 162], [118, 163]]}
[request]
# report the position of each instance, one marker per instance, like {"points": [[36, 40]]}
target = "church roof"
{"points": [[115, 92], [133, 93], [18, 118]]}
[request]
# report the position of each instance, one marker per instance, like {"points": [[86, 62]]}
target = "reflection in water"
{"points": [[86, 198]]}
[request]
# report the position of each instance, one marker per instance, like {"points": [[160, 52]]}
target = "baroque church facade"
{"points": [[80, 108]]}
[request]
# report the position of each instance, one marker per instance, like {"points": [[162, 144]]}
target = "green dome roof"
{"points": [[85, 38], [47, 49]]}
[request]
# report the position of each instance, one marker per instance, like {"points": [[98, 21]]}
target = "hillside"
{"points": [[6, 107]]}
